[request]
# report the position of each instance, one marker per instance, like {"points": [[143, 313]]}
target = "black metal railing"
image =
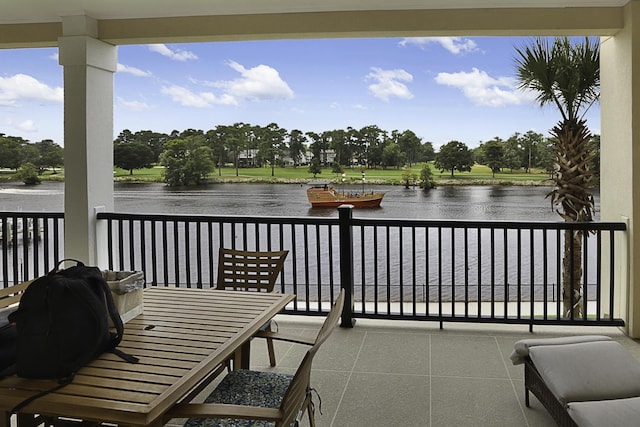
{"points": [[473, 271], [30, 243]]}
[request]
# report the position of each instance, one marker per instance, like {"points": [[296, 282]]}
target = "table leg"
{"points": [[243, 354]]}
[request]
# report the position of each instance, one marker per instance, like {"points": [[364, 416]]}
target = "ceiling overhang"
{"points": [[31, 23]]}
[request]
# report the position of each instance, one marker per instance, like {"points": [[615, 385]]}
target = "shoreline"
{"points": [[307, 181], [439, 182]]}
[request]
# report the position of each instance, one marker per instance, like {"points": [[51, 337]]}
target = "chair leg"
{"points": [[311, 412], [272, 352]]}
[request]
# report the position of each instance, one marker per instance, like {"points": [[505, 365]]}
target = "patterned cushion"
{"points": [[244, 387]]}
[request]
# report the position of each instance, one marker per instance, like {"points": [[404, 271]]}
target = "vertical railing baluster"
{"points": [[532, 279], [331, 262], [466, 271], [319, 264], [374, 251], [132, 251], [545, 277], [493, 273], [480, 264], [519, 275], [187, 252], [307, 273], [363, 268], [388, 266], [599, 275], [612, 267], [401, 269], [559, 253], [427, 263], [414, 273], [46, 241], [154, 253], [440, 276], [452, 233]]}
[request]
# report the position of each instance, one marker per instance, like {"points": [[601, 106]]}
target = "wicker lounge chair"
{"points": [[582, 381]]}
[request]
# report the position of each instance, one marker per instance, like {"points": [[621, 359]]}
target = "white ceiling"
{"points": [[35, 11]]}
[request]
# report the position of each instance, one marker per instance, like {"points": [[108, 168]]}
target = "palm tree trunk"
{"points": [[572, 182], [572, 274]]}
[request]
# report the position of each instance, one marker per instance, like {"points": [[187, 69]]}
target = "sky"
{"points": [[441, 88]]}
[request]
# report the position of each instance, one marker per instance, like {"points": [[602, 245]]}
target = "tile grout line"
{"points": [[344, 391], [513, 386]]}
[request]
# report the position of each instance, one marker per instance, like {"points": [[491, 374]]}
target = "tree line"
{"points": [[190, 156], [29, 159], [519, 151], [245, 145]]}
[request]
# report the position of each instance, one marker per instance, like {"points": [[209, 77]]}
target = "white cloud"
{"points": [[133, 105], [22, 86], [133, 70], [27, 126], [188, 98], [259, 83], [483, 89], [176, 54], [455, 45], [388, 83]]}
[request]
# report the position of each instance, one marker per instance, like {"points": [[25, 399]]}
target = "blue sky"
{"points": [[443, 89]]}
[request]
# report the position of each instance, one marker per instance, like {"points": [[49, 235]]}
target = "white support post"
{"points": [[620, 154], [89, 65]]}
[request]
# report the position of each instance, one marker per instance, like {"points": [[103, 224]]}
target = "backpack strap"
{"points": [[117, 321], [113, 314], [63, 382]]}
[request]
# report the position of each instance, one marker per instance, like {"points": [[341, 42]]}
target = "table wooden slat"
{"points": [[182, 335]]}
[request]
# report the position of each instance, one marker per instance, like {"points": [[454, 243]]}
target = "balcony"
{"points": [[392, 373], [438, 305]]}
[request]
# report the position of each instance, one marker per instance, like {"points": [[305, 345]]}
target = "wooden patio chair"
{"points": [[244, 397], [251, 271]]}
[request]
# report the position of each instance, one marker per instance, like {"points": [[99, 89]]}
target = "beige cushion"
{"points": [[521, 348], [610, 413], [597, 370]]}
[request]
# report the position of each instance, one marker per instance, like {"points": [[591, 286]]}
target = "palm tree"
{"points": [[567, 75]]}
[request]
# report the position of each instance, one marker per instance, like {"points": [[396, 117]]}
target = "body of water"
{"points": [[451, 202], [509, 203]]}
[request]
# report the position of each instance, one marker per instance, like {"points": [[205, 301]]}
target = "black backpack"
{"points": [[62, 324]]}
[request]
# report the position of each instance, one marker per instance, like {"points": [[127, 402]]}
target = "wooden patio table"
{"points": [[181, 337]]}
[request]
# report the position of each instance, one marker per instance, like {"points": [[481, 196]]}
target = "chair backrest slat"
{"points": [[249, 270], [300, 385]]}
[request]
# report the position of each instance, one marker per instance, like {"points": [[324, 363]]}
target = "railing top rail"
{"points": [[499, 224], [218, 218], [23, 214], [481, 224]]}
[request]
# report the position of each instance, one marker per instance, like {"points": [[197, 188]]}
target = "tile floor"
{"points": [[397, 373]]}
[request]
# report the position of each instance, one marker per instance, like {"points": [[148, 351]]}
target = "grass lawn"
{"points": [[479, 175], [387, 176]]}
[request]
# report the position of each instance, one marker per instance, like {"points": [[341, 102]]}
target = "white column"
{"points": [[89, 65], [620, 156]]}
